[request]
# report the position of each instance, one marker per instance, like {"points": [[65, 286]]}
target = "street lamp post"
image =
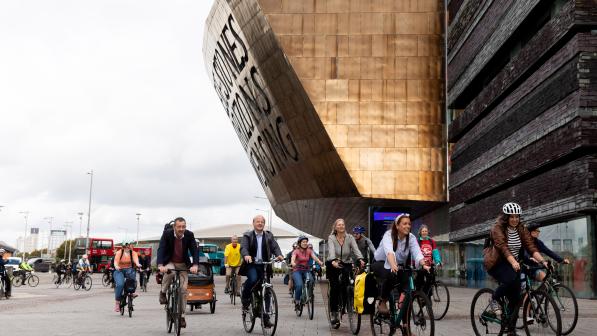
{"points": [[80, 223], [48, 250], [89, 209], [269, 212], [138, 215], [25, 215]]}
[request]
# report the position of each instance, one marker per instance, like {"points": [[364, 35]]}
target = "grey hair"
{"points": [[423, 226], [334, 225]]}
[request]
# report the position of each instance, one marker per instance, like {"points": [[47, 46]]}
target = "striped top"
{"points": [[514, 242]]}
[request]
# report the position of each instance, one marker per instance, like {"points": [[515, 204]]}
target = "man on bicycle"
{"points": [[83, 266], [539, 275], [25, 268], [257, 245], [60, 270], [3, 273], [145, 269], [365, 244], [177, 244], [232, 261]]}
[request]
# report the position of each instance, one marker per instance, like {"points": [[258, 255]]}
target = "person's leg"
{"points": [[228, 273], [235, 270], [249, 283], [334, 290], [119, 280], [297, 277]]}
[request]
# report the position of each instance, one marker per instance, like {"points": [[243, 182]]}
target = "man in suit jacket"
{"points": [[176, 245], [257, 245]]}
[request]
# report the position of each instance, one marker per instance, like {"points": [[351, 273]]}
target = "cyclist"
{"points": [[177, 244], [509, 238], [232, 261], [60, 270], [25, 268], [288, 276], [432, 257], [83, 266], [3, 274], [257, 245], [311, 262], [364, 243], [342, 249], [124, 260], [300, 267], [398, 247], [539, 275], [145, 269]]}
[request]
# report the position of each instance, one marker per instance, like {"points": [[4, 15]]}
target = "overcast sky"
{"points": [[118, 87]]}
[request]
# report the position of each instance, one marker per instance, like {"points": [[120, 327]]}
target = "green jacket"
{"points": [[25, 266]]}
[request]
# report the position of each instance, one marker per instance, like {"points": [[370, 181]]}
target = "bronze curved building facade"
{"points": [[338, 103]]}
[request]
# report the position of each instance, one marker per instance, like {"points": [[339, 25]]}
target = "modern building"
{"points": [[339, 104], [522, 97]]}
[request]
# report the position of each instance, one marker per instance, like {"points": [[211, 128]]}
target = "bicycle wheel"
{"points": [[233, 290], [33, 280], [380, 326], [17, 281], [169, 309], [420, 315], [483, 319], [354, 318], [106, 280], [212, 304], [177, 311], [249, 318], [88, 282], [130, 304], [67, 280], [311, 302], [122, 304], [545, 315], [566, 302], [76, 284], [269, 311], [440, 300]]}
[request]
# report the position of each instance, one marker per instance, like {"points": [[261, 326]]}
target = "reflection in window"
{"points": [[557, 244]]}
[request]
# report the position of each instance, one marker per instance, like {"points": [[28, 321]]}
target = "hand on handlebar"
{"points": [[162, 269], [516, 266], [248, 259]]}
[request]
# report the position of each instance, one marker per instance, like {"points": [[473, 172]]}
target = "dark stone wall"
{"points": [[529, 135]]}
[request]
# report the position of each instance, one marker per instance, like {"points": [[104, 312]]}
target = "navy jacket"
{"points": [[189, 248], [545, 250]]}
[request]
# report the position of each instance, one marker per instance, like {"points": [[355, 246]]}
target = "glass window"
{"points": [[209, 249], [567, 245], [102, 244], [557, 244]]}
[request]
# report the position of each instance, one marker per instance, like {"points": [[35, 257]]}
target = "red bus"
{"points": [[99, 251]]}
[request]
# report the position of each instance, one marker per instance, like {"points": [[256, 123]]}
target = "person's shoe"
{"points": [[382, 308], [266, 322], [495, 307], [163, 299], [135, 295], [183, 322], [117, 307], [335, 319], [297, 306], [530, 320], [226, 291]]}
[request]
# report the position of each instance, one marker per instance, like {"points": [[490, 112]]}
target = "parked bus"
{"points": [[99, 251], [214, 256]]}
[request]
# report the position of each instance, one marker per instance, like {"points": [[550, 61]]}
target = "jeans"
{"points": [[509, 283], [119, 276], [254, 274], [299, 277]]}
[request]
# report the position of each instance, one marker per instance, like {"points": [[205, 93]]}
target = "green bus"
{"points": [[214, 255]]}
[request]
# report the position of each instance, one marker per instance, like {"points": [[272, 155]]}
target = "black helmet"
{"points": [[301, 238]]}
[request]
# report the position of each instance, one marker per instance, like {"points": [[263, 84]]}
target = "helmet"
{"points": [[62, 260], [301, 238], [84, 256], [2, 250], [512, 208], [358, 229]]}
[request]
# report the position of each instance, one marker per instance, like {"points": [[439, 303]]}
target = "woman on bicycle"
{"points": [[431, 256], [509, 239], [300, 267], [124, 260], [342, 248], [397, 247]]}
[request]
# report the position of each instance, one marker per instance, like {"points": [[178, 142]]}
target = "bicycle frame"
{"points": [[397, 317]]}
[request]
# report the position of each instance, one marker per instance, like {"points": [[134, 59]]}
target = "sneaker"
{"points": [[530, 320], [134, 295], [495, 307], [334, 319], [117, 307], [246, 306], [183, 322], [266, 322], [226, 291], [297, 306], [163, 299]]}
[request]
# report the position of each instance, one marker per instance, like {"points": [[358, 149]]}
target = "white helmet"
{"points": [[512, 208], [2, 250]]}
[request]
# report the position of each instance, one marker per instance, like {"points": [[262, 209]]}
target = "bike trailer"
{"points": [[201, 287]]}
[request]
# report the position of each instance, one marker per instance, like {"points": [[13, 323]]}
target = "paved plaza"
{"points": [[64, 311]]}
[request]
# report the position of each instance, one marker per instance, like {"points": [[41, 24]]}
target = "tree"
{"points": [[37, 253], [62, 250]]}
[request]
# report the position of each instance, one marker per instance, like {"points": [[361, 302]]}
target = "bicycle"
{"points": [[307, 297], [414, 309], [83, 280], [31, 279], [564, 298], [126, 300], [64, 279], [264, 304], [3, 292], [233, 285], [541, 308], [143, 279], [174, 303], [107, 278], [346, 301], [438, 295]]}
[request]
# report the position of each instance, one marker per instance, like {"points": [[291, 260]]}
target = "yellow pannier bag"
{"points": [[359, 292]]}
